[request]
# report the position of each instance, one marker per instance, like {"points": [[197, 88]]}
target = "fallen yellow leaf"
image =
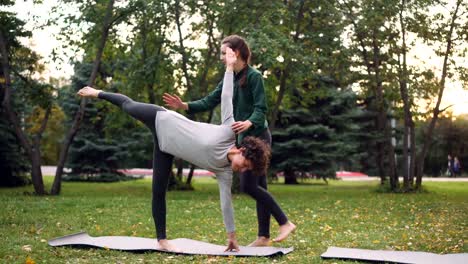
{"points": [[29, 260]]}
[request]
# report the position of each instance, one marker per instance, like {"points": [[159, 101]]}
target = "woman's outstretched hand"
{"points": [[232, 246], [88, 91], [174, 102], [232, 243]]}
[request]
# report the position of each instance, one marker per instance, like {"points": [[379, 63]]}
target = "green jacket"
{"points": [[249, 102]]}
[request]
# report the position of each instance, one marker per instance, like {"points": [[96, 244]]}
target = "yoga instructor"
{"points": [[249, 112]]}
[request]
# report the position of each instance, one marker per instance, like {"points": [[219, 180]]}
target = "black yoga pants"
{"points": [[256, 187], [162, 162]]}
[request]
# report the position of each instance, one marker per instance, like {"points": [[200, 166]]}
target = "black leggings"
{"points": [[256, 186], [162, 162]]}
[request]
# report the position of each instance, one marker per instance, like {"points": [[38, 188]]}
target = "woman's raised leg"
{"points": [[162, 162]]}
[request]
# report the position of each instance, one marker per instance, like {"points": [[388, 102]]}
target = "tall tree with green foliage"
{"points": [[371, 39], [13, 161], [104, 27], [18, 64], [381, 35], [448, 36]]}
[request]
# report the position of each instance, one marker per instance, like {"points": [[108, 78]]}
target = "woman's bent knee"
{"points": [[249, 189]]}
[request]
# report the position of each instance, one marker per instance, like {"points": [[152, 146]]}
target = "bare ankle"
{"points": [[261, 241]]}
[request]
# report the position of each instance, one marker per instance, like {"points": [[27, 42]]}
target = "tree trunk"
{"points": [[408, 137], [382, 123], [392, 171], [36, 161], [289, 176], [56, 187], [36, 173], [180, 168], [405, 152], [282, 90], [182, 47], [182, 52], [144, 56], [436, 111], [32, 151], [381, 162], [190, 175], [412, 154], [202, 83]]}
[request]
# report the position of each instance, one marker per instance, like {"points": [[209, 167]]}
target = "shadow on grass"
{"points": [[299, 184]]}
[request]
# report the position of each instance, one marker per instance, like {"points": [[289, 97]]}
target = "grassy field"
{"points": [[343, 214]]}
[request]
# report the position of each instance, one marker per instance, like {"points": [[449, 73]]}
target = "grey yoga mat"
{"points": [[187, 246], [394, 256]]}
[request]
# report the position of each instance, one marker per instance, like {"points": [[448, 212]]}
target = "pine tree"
{"points": [[317, 140], [13, 162], [92, 156]]}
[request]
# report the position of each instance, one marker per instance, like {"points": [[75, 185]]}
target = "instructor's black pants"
{"points": [[256, 186], [162, 162]]}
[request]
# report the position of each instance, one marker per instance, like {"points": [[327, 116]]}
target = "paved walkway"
{"points": [[50, 171], [435, 179]]}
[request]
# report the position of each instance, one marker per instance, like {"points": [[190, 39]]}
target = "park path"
{"points": [[50, 171], [434, 179]]}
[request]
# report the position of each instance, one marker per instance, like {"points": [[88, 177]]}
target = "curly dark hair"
{"points": [[258, 152]]}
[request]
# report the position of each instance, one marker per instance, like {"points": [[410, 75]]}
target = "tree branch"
{"points": [[442, 110]]}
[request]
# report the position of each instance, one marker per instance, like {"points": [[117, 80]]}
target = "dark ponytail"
{"points": [[237, 43]]}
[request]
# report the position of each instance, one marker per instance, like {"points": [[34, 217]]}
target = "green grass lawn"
{"points": [[343, 214]]}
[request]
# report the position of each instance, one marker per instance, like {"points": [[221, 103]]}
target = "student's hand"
{"points": [[231, 59], [88, 91], [241, 126], [232, 243], [232, 246], [174, 102]]}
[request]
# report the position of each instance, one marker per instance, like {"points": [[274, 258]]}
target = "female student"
{"points": [[208, 146]]}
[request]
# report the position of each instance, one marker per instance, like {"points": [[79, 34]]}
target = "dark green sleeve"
{"points": [[259, 102], [208, 102]]}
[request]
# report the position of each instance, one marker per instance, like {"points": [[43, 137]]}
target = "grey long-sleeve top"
{"points": [[205, 145]]}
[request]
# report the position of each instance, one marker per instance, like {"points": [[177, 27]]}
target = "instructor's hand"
{"points": [[241, 126], [174, 102]]}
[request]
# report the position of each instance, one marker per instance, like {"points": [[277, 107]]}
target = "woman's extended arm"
{"points": [[225, 198]]}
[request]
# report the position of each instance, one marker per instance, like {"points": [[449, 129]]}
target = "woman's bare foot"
{"points": [[165, 245], [285, 230], [88, 91], [261, 242]]}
